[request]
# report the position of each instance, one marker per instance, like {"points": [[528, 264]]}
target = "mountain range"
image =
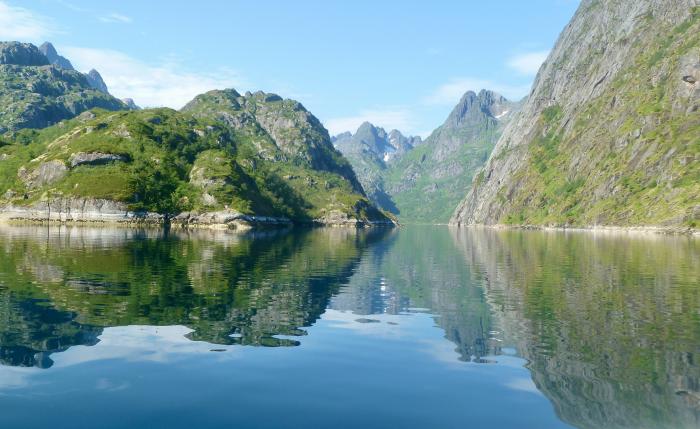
{"points": [[423, 181], [608, 136]]}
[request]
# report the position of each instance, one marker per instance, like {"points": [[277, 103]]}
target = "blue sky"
{"points": [[399, 64]]}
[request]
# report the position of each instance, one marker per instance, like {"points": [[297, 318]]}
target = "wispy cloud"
{"points": [[450, 92], [528, 63], [17, 23], [388, 118], [71, 6], [167, 82], [116, 18]]}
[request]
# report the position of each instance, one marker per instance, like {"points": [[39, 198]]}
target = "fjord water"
{"points": [[410, 327]]}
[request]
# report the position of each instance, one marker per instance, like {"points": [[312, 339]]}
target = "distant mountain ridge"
{"points": [[376, 141], [371, 151], [423, 181], [93, 76]]}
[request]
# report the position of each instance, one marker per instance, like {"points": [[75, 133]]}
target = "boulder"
{"points": [[94, 158]]}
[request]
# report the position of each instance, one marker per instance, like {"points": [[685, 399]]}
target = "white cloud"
{"points": [[528, 63], [165, 83], [17, 23], [116, 18], [389, 119], [450, 92]]}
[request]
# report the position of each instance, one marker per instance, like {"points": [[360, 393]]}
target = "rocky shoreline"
{"points": [[659, 230], [113, 213]]}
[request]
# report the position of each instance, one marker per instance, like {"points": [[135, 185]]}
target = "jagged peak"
{"points": [[95, 80], [130, 104], [48, 49], [487, 102], [366, 125]]}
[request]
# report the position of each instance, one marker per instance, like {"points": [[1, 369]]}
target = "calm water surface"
{"points": [[424, 327]]}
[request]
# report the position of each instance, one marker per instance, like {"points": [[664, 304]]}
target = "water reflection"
{"points": [[420, 269], [58, 288], [609, 325]]}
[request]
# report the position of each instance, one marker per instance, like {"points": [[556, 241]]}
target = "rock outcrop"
{"points": [[609, 133], [95, 80], [94, 158], [74, 209], [50, 52], [21, 54]]}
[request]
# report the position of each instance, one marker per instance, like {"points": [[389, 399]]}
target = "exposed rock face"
{"points": [[21, 54], [45, 174], [279, 137], [225, 219], [130, 104], [608, 135], [296, 134], [430, 182], [94, 158], [95, 80], [73, 209], [48, 49], [36, 94], [93, 76]]}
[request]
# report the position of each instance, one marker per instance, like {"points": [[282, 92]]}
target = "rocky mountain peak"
{"points": [[50, 52], [401, 142], [473, 108], [130, 104], [371, 135], [21, 54], [95, 80]]}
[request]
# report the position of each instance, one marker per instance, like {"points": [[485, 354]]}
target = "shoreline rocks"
{"points": [[101, 211], [604, 229]]}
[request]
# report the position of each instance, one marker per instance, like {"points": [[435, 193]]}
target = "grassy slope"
{"points": [[161, 147]]}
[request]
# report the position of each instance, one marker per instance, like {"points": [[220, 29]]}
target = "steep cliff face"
{"points": [[95, 80], [51, 54], [609, 133]]}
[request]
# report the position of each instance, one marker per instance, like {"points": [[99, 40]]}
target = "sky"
{"points": [[398, 64]]}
